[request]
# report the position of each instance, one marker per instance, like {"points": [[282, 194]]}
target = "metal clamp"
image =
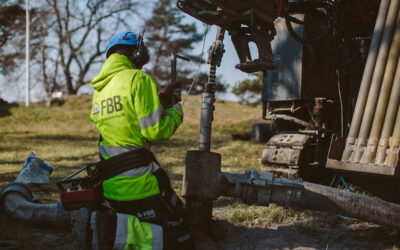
{"points": [[257, 188]]}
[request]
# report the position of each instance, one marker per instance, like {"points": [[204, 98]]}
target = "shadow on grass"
{"points": [[14, 133], [28, 136], [9, 176], [175, 177], [175, 143], [61, 137], [294, 236], [88, 158], [19, 162], [21, 147], [224, 201]]}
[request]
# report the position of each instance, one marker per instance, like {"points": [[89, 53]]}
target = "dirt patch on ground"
{"points": [[256, 234], [34, 236], [294, 236]]}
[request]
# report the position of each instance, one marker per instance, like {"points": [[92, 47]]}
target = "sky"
{"points": [[226, 71]]}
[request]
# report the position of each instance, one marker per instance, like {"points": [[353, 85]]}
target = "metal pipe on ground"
{"points": [[204, 182], [366, 79], [394, 143], [390, 118], [373, 93], [17, 201], [383, 100], [336, 201], [321, 198]]}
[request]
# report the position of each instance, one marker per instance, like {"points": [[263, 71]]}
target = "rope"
{"points": [[198, 66]]}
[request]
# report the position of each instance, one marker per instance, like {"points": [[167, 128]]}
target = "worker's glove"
{"points": [[171, 94]]}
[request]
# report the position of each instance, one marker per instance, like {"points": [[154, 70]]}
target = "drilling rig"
{"points": [[330, 101]]}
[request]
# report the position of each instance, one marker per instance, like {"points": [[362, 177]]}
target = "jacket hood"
{"points": [[114, 64]]}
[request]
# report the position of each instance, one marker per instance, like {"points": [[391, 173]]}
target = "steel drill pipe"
{"points": [[366, 79], [389, 119], [384, 95], [208, 97], [381, 62], [16, 201], [320, 198]]}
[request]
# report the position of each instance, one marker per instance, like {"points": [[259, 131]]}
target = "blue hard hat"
{"points": [[123, 37]]}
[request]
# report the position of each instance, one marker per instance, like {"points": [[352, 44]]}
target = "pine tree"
{"points": [[249, 90], [166, 33]]}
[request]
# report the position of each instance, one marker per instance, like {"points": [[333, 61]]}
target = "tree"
{"points": [[166, 33], [67, 38], [249, 90], [12, 43], [12, 25], [77, 34], [202, 78]]}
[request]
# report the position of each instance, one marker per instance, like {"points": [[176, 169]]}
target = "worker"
{"points": [[130, 113]]}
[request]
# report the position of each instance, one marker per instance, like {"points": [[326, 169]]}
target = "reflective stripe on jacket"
{"points": [[136, 235]]}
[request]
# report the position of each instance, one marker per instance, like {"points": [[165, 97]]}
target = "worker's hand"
{"points": [[171, 94]]}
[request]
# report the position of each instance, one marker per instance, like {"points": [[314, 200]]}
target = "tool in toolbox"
{"points": [[81, 191]]}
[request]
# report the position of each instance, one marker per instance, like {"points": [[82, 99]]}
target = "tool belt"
{"points": [[123, 162], [165, 208], [150, 209]]}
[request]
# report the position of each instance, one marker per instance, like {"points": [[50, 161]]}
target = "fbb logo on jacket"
{"points": [[109, 105]]}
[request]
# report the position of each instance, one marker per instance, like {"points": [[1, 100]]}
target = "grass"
{"points": [[262, 215], [64, 137]]}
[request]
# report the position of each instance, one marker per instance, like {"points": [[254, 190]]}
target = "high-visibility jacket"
{"points": [[128, 113]]}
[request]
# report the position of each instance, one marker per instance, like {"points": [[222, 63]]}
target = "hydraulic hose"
{"points": [[17, 201]]}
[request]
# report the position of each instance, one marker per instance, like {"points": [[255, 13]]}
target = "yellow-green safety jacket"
{"points": [[128, 113]]}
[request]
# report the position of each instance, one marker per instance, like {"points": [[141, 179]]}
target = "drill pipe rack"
{"points": [[372, 145]]}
